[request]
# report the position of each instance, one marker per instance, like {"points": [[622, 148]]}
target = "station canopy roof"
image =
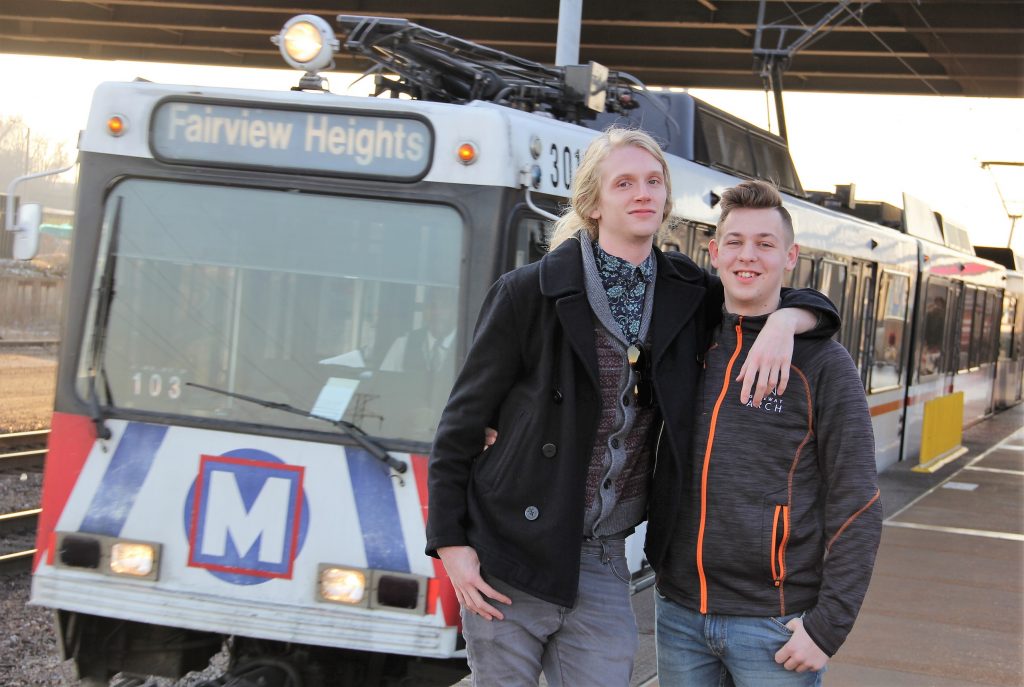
{"points": [[935, 47]]}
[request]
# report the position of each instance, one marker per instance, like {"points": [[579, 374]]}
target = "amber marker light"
{"points": [[116, 125], [467, 153]]}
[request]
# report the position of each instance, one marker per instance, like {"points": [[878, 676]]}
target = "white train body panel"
{"points": [[243, 522]]}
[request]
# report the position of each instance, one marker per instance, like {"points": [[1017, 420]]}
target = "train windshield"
{"points": [[344, 306]]}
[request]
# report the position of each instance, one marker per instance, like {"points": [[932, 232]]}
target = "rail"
{"points": [[23, 522], [23, 450]]}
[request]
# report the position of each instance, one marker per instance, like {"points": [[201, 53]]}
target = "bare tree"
{"points": [[22, 152]]}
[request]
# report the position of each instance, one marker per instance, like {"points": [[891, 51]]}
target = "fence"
{"points": [[30, 306]]}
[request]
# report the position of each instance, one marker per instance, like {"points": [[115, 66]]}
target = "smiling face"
{"points": [[752, 252], [631, 204]]}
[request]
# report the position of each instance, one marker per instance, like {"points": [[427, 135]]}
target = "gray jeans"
{"points": [[592, 643]]}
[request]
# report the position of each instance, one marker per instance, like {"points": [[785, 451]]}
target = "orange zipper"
{"points": [[704, 471], [778, 557]]}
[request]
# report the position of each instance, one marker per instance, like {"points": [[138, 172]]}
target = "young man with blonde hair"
{"points": [[572, 359], [776, 528]]}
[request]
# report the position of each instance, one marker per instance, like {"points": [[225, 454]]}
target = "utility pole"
{"points": [[570, 17]]}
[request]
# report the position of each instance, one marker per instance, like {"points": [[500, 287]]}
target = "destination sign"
{"points": [[341, 143]]}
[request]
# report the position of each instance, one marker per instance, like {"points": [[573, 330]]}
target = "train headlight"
{"points": [[343, 585], [138, 560], [307, 42]]}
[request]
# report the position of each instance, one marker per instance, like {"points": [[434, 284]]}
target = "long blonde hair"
{"points": [[586, 185]]}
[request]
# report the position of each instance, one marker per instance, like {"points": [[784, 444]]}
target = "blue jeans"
{"points": [[592, 643], [711, 650]]}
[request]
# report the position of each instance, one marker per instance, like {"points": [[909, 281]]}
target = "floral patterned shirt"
{"points": [[626, 286]]}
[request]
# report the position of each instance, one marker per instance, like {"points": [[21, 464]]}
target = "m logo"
{"points": [[246, 516]]}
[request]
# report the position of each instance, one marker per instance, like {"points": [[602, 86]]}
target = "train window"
{"points": [[347, 305], [727, 144], [802, 275], [893, 301], [774, 162], [933, 332], [676, 237], [967, 326], [832, 281], [700, 254], [850, 334], [531, 239], [977, 340], [987, 331], [1006, 338]]}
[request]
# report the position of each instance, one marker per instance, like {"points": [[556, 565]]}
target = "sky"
{"points": [[928, 146]]}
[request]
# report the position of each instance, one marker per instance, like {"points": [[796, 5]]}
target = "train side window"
{"points": [[967, 326], [930, 353], [802, 275], [677, 237], [977, 331], [1006, 338], [893, 299], [832, 282], [727, 144], [988, 334], [700, 255], [530, 234]]}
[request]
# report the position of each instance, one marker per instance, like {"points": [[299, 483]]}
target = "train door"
{"points": [[1008, 364], [934, 358], [975, 374], [888, 356]]}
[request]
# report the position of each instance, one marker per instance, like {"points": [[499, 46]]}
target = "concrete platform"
{"points": [[946, 603]]}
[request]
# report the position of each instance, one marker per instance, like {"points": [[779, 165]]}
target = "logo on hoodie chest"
{"points": [[771, 403]]}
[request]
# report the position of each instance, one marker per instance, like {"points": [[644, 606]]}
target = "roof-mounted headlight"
{"points": [[307, 42]]}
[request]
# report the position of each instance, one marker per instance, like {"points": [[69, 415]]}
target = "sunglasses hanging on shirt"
{"points": [[639, 357]]}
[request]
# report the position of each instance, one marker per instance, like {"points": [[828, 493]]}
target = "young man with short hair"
{"points": [[777, 526]]}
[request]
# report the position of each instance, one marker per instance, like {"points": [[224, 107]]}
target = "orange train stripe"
{"points": [[884, 408]]}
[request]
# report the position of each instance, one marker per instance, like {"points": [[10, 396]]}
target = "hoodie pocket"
{"points": [[775, 536]]}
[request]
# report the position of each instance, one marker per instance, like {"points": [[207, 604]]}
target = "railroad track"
{"points": [[23, 523], [23, 450], [20, 451], [27, 343]]}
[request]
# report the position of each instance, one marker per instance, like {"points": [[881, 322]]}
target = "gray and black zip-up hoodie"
{"points": [[781, 511]]}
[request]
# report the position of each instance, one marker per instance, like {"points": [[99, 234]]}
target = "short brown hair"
{"points": [[755, 194]]}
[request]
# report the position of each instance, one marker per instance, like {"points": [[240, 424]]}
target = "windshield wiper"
{"points": [[353, 431], [104, 297]]}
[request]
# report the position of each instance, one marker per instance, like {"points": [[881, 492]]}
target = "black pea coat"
{"points": [[532, 374]]}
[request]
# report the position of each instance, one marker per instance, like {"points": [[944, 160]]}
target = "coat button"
{"points": [[615, 443], [625, 400], [531, 513], [608, 484], [556, 396], [549, 450]]}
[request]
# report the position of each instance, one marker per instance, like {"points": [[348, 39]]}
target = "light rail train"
{"points": [[245, 400]]}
